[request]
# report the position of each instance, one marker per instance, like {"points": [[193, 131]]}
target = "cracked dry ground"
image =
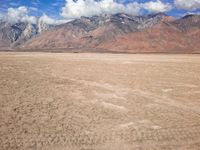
{"points": [[99, 101]]}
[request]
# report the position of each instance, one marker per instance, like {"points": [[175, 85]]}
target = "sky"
{"points": [[60, 11]]}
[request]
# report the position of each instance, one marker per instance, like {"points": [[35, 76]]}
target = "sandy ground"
{"points": [[99, 101]]}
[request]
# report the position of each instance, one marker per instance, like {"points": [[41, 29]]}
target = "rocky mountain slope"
{"points": [[116, 33], [13, 35], [93, 31], [180, 36]]}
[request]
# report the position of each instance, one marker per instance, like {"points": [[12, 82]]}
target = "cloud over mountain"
{"points": [[48, 20], [76, 9], [187, 4], [20, 14], [67, 10], [157, 6]]}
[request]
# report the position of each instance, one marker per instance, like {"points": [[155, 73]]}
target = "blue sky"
{"points": [[37, 7], [69, 9]]}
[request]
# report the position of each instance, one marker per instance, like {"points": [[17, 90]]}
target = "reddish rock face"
{"points": [[163, 37], [124, 33]]}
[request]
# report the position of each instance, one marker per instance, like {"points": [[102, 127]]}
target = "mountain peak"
{"points": [[191, 16], [157, 14]]}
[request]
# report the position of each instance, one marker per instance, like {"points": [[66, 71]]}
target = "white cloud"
{"points": [[187, 4], [157, 6], [20, 14], [48, 20], [76, 9]]}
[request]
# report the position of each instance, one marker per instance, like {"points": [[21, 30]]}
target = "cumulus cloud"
{"points": [[20, 14], [157, 6], [48, 20], [76, 9], [187, 4]]}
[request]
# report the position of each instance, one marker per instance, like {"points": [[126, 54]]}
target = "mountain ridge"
{"points": [[119, 33]]}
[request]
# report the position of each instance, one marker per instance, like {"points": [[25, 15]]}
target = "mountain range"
{"points": [[107, 33]]}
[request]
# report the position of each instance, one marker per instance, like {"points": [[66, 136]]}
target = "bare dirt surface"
{"points": [[99, 101]]}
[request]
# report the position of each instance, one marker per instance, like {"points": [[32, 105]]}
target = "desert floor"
{"points": [[99, 101]]}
